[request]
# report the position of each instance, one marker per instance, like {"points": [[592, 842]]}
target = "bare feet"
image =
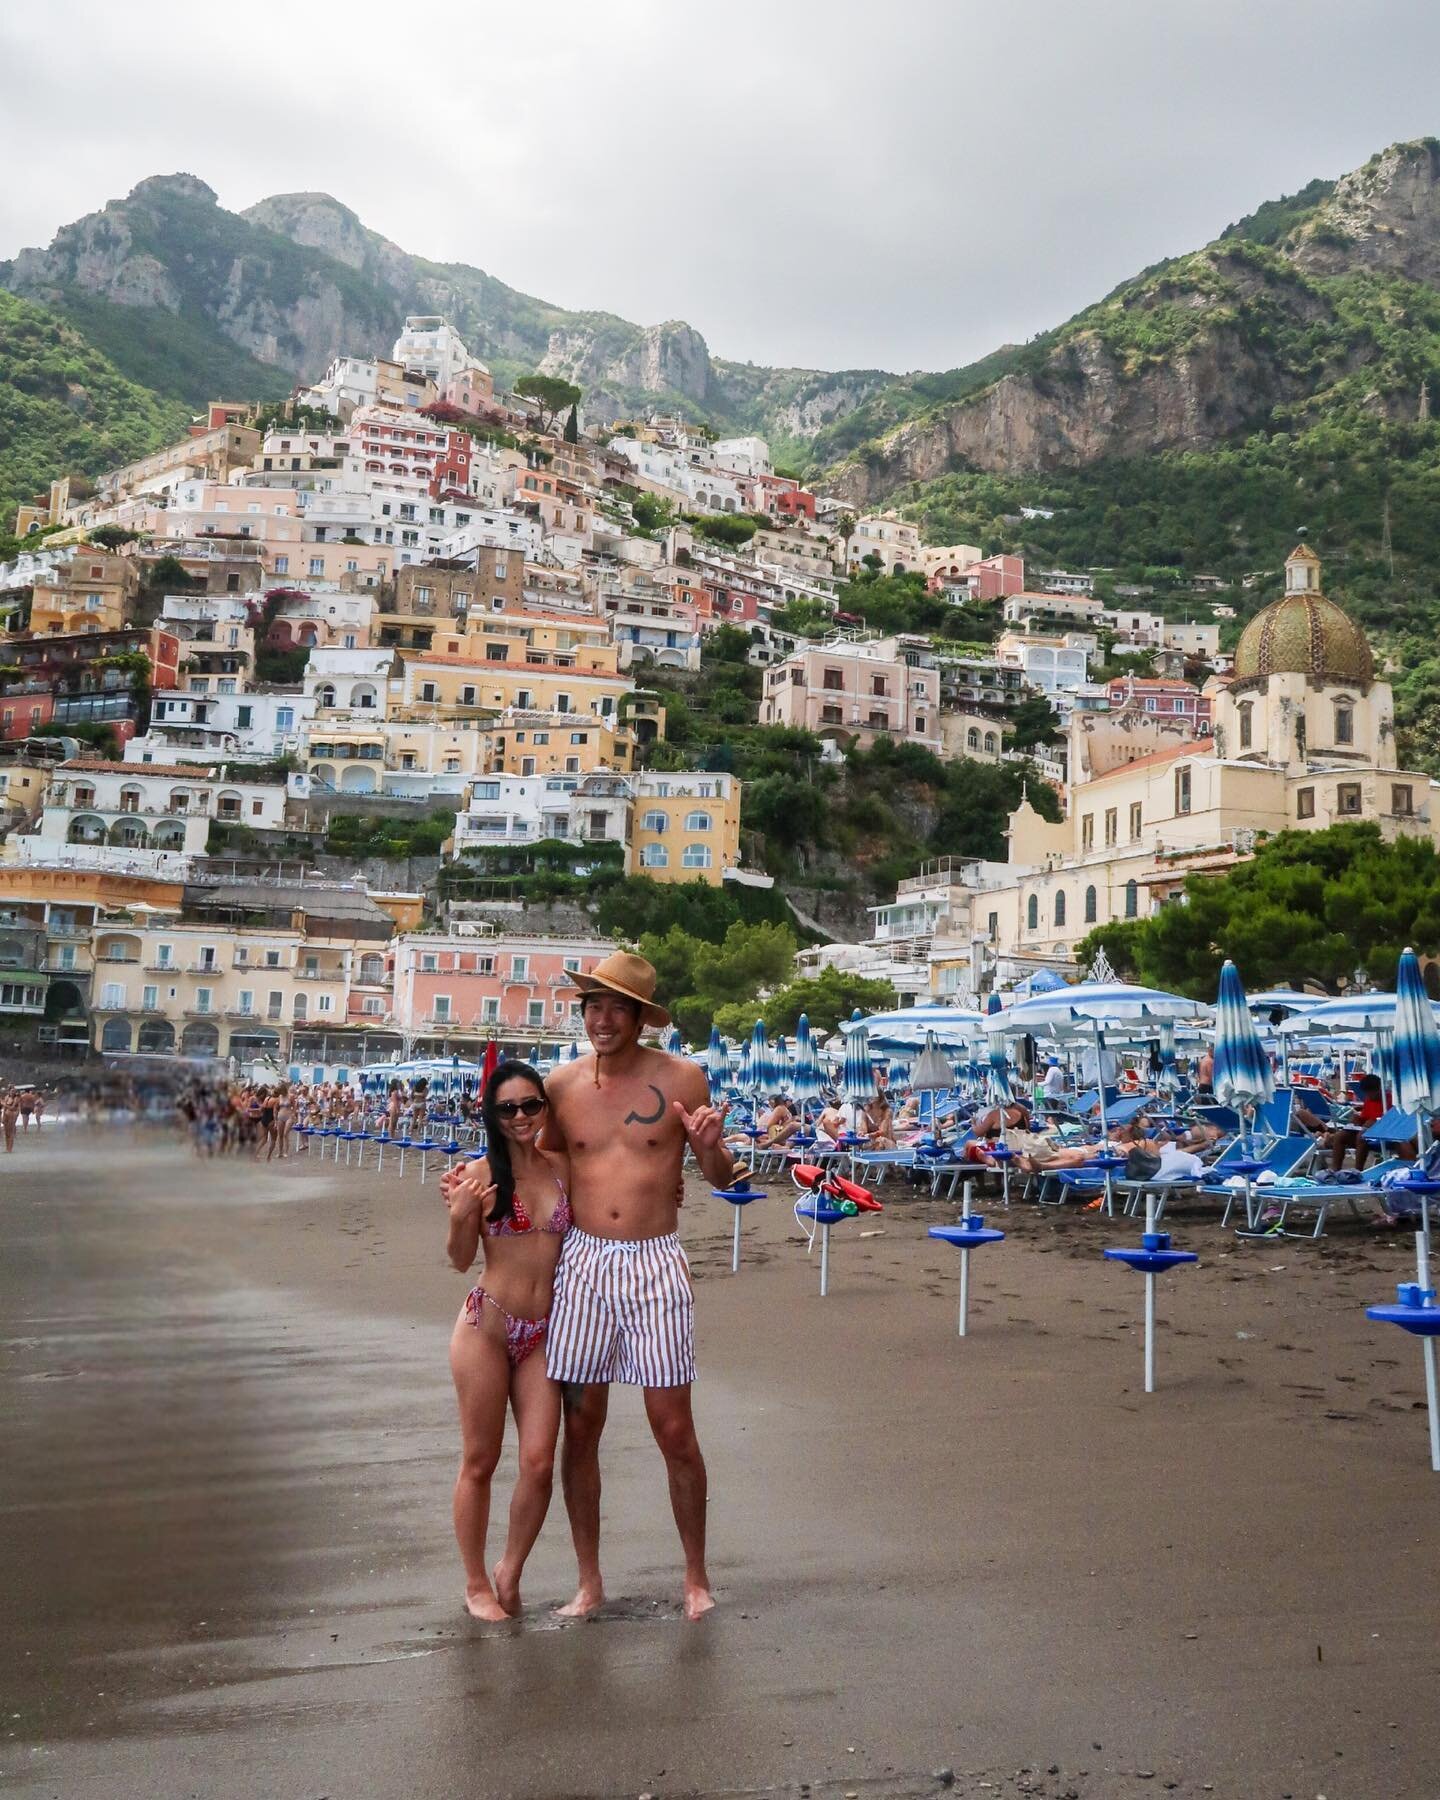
{"points": [[482, 1604], [507, 1588], [587, 1598], [698, 1599]]}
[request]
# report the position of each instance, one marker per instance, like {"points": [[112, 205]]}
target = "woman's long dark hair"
{"points": [[497, 1147]]}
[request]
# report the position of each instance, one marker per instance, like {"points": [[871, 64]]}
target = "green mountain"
{"points": [[203, 303], [1193, 419], [65, 407]]}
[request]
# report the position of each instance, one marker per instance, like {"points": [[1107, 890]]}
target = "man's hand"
{"points": [[704, 1128], [467, 1197]]}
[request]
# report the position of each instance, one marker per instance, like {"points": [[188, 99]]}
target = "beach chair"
{"points": [[1318, 1196], [1285, 1158], [1395, 1127]]}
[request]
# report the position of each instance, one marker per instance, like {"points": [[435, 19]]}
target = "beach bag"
{"points": [[1141, 1164]]}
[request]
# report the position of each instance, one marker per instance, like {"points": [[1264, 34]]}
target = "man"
{"points": [[1054, 1082], [623, 1308]]}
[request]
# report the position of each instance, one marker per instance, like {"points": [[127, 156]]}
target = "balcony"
{"points": [[317, 974], [206, 968], [163, 968], [111, 956], [202, 1012]]}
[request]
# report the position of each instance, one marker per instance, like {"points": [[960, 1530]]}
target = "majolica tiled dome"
{"points": [[1304, 634]]}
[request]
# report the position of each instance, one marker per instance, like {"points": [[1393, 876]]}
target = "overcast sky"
{"points": [[833, 183]]}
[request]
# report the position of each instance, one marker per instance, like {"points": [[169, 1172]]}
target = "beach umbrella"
{"points": [[573, 1054], [1167, 1055], [999, 1058], [1098, 1007], [805, 1083], [906, 1028], [489, 1062], [1243, 1076], [762, 1060], [672, 1043], [717, 1064], [857, 1075], [1416, 1050], [744, 1081], [932, 1074]]}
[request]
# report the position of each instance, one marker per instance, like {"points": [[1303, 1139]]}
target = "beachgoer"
{"points": [[27, 1106], [624, 1310], [1205, 1074], [780, 1123], [880, 1123], [514, 1200], [1053, 1086], [830, 1126], [1368, 1109], [9, 1113]]}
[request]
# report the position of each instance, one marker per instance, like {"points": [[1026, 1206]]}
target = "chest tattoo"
{"points": [[653, 1118]]}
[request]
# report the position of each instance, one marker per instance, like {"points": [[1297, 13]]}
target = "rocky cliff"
{"points": [[1206, 346]]}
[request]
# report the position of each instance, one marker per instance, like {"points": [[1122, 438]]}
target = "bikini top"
{"points": [[520, 1221]]}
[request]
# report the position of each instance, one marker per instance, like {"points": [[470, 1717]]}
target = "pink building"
{"points": [[1168, 699], [996, 577], [861, 689], [401, 444], [517, 988]]}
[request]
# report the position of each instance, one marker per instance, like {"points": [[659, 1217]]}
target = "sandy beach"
{"points": [[994, 1563]]}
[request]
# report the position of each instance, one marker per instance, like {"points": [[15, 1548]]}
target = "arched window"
{"points": [[1132, 900], [1060, 907], [1344, 723], [654, 821], [1032, 912], [1090, 903], [990, 742], [697, 821], [654, 856], [1247, 725], [363, 695], [325, 694], [130, 798], [972, 739], [697, 856], [301, 1006], [372, 968]]}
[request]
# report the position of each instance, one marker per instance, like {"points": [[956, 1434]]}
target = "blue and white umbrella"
{"points": [[672, 1042], [906, 1029], [857, 1076], [1168, 1076], [744, 1082], [717, 1064], [1416, 1050], [1243, 1076], [1416, 1046], [805, 1083], [1000, 1090], [762, 1061]]}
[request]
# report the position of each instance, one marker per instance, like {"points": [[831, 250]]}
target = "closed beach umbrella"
{"points": [[999, 1068], [1167, 1055], [490, 1062], [717, 1064], [762, 1060], [744, 1077], [857, 1076], [805, 1084], [672, 1043], [1243, 1076], [1416, 1048], [932, 1073]]}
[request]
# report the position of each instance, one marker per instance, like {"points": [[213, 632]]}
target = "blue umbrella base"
{"points": [[1420, 1321], [739, 1196], [1151, 1262], [966, 1236], [822, 1215]]}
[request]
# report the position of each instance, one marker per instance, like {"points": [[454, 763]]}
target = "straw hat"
{"points": [[631, 976]]}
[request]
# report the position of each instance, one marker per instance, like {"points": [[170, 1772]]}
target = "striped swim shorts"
{"points": [[623, 1311]]}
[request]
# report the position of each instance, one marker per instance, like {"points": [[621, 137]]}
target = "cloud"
{"points": [[832, 185]]}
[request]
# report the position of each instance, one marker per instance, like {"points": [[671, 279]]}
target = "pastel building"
{"points": [[465, 989], [685, 826], [856, 689]]}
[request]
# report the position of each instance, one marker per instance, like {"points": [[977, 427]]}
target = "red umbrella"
{"points": [[490, 1064]]}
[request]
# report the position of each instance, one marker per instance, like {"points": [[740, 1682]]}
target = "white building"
{"points": [[139, 806], [889, 537], [259, 725], [430, 345], [746, 455], [1054, 665], [526, 809]]}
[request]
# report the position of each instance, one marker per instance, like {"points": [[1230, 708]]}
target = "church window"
{"points": [[1032, 912], [1132, 900], [1344, 724], [1304, 803], [1112, 825], [1135, 815], [1090, 900], [1347, 798], [1247, 726], [1060, 907], [1087, 831]]}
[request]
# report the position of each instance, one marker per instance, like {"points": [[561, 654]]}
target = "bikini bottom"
{"points": [[521, 1335]]}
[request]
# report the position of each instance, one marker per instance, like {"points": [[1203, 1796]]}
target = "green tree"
{"points": [[826, 999], [572, 426], [1309, 906], [551, 394], [1032, 724]]}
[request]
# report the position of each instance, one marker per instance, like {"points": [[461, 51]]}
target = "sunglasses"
{"points": [[507, 1109]]}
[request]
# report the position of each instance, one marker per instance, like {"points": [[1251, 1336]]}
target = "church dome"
{"points": [[1303, 633]]}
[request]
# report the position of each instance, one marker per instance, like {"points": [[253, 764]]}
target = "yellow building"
{"points": [[685, 826], [87, 594], [541, 683], [1303, 739], [23, 786], [531, 742]]}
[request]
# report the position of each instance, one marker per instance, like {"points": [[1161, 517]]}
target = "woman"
{"points": [[9, 1113], [514, 1198], [284, 1123], [880, 1123]]}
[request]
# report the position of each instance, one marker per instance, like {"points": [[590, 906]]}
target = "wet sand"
{"points": [[229, 1446]]}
